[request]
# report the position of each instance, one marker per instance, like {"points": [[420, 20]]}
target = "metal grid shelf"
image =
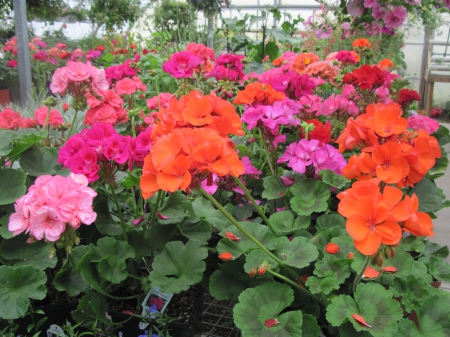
{"points": [[217, 319]]}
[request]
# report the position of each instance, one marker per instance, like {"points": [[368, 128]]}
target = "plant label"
{"points": [[55, 331], [154, 304]]}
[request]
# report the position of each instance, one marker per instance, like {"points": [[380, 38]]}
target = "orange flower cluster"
{"points": [[190, 142], [258, 93], [384, 64], [360, 43], [302, 61], [278, 61], [196, 110], [393, 154], [355, 54], [376, 217]]}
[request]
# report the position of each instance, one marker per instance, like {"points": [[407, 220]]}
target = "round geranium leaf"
{"points": [[258, 312], [256, 258], [237, 248], [17, 286], [179, 266], [298, 253], [310, 196], [373, 309]]}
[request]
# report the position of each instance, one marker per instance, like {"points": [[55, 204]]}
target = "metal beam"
{"points": [[23, 51]]}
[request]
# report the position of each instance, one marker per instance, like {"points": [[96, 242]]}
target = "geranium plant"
{"points": [[306, 193]]}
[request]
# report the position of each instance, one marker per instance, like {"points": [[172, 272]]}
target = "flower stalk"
{"points": [[361, 273]]}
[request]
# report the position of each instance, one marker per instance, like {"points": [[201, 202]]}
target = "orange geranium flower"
{"points": [[356, 55], [360, 43], [278, 61], [369, 226], [420, 223], [198, 111], [384, 64], [302, 60], [175, 175], [386, 119], [391, 168], [356, 134], [258, 93]]}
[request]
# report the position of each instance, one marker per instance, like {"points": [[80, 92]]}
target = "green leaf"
{"points": [[310, 326], [178, 266], [333, 179], [177, 208], [37, 161], [440, 269], [24, 142], [131, 181], [440, 165], [318, 285], [140, 241], [17, 286], [68, 279], [12, 185], [89, 272], [329, 266], [265, 302], [255, 258], [21, 253], [284, 223], [237, 248], [200, 231], [104, 221], [204, 211], [325, 235], [413, 243], [434, 250], [272, 50], [91, 309], [330, 220], [310, 196], [373, 303], [413, 292], [433, 317], [346, 246], [274, 188], [430, 196], [111, 255], [6, 141], [347, 330], [298, 253], [231, 279]]}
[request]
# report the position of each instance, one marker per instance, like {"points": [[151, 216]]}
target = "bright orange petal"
{"points": [[369, 245], [390, 232], [357, 228]]}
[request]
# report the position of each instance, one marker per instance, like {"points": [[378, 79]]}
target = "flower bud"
{"points": [[225, 256], [65, 107]]}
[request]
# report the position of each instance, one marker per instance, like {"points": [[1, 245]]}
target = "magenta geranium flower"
{"points": [[181, 65]]}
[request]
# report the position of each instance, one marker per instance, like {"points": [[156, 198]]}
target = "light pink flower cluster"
{"points": [[315, 154], [159, 102], [337, 104], [101, 151], [108, 110], [419, 122], [323, 69], [51, 205], [128, 86], [77, 78]]}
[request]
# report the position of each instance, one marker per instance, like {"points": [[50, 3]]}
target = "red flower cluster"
{"points": [[366, 77], [407, 96], [321, 132]]}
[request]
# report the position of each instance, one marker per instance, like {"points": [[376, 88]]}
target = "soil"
{"points": [[55, 297]]}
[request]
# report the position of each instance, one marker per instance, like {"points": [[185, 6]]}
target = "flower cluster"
{"points": [[108, 109], [101, 151], [312, 153], [205, 54], [52, 205], [374, 215], [11, 120], [121, 71], [228, 67], [182, 64]]}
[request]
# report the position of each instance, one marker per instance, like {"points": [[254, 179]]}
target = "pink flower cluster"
{"points": [[312, 105], [161, 101], [102, 151], [77, 78], [291, 83], [108, 110], [419, 122], [345, 57], [205, 54], [120, 71], [11, 120], [128, 86], [52, 204], [228, 67], [312, 152], [181, 64], [54, 119]]}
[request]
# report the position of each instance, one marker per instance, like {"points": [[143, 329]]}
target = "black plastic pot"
{"points": [[56, 314], [131, 327]]}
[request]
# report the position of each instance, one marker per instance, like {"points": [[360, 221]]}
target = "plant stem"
{"points": [[119, 210], [71, 125], [247, 234], [46, 118], [260, 212], [302, 290], [152, 224], [361, 273]]}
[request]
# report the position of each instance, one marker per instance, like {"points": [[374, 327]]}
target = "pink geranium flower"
{"points": [[125, 86], [181, 65], [54, 119], [395, 17], [78, 71]]}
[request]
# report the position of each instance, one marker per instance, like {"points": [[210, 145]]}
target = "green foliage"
{"points": [[114, 14], [310, 196], [266, 302], [12, 185], [67, 278]]}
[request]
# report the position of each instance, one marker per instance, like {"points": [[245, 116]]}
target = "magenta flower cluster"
{"points": [[52, 204], [101, 151], [312, 152], [228, 67], [289, 82], [182, 64], [120, 71]]}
